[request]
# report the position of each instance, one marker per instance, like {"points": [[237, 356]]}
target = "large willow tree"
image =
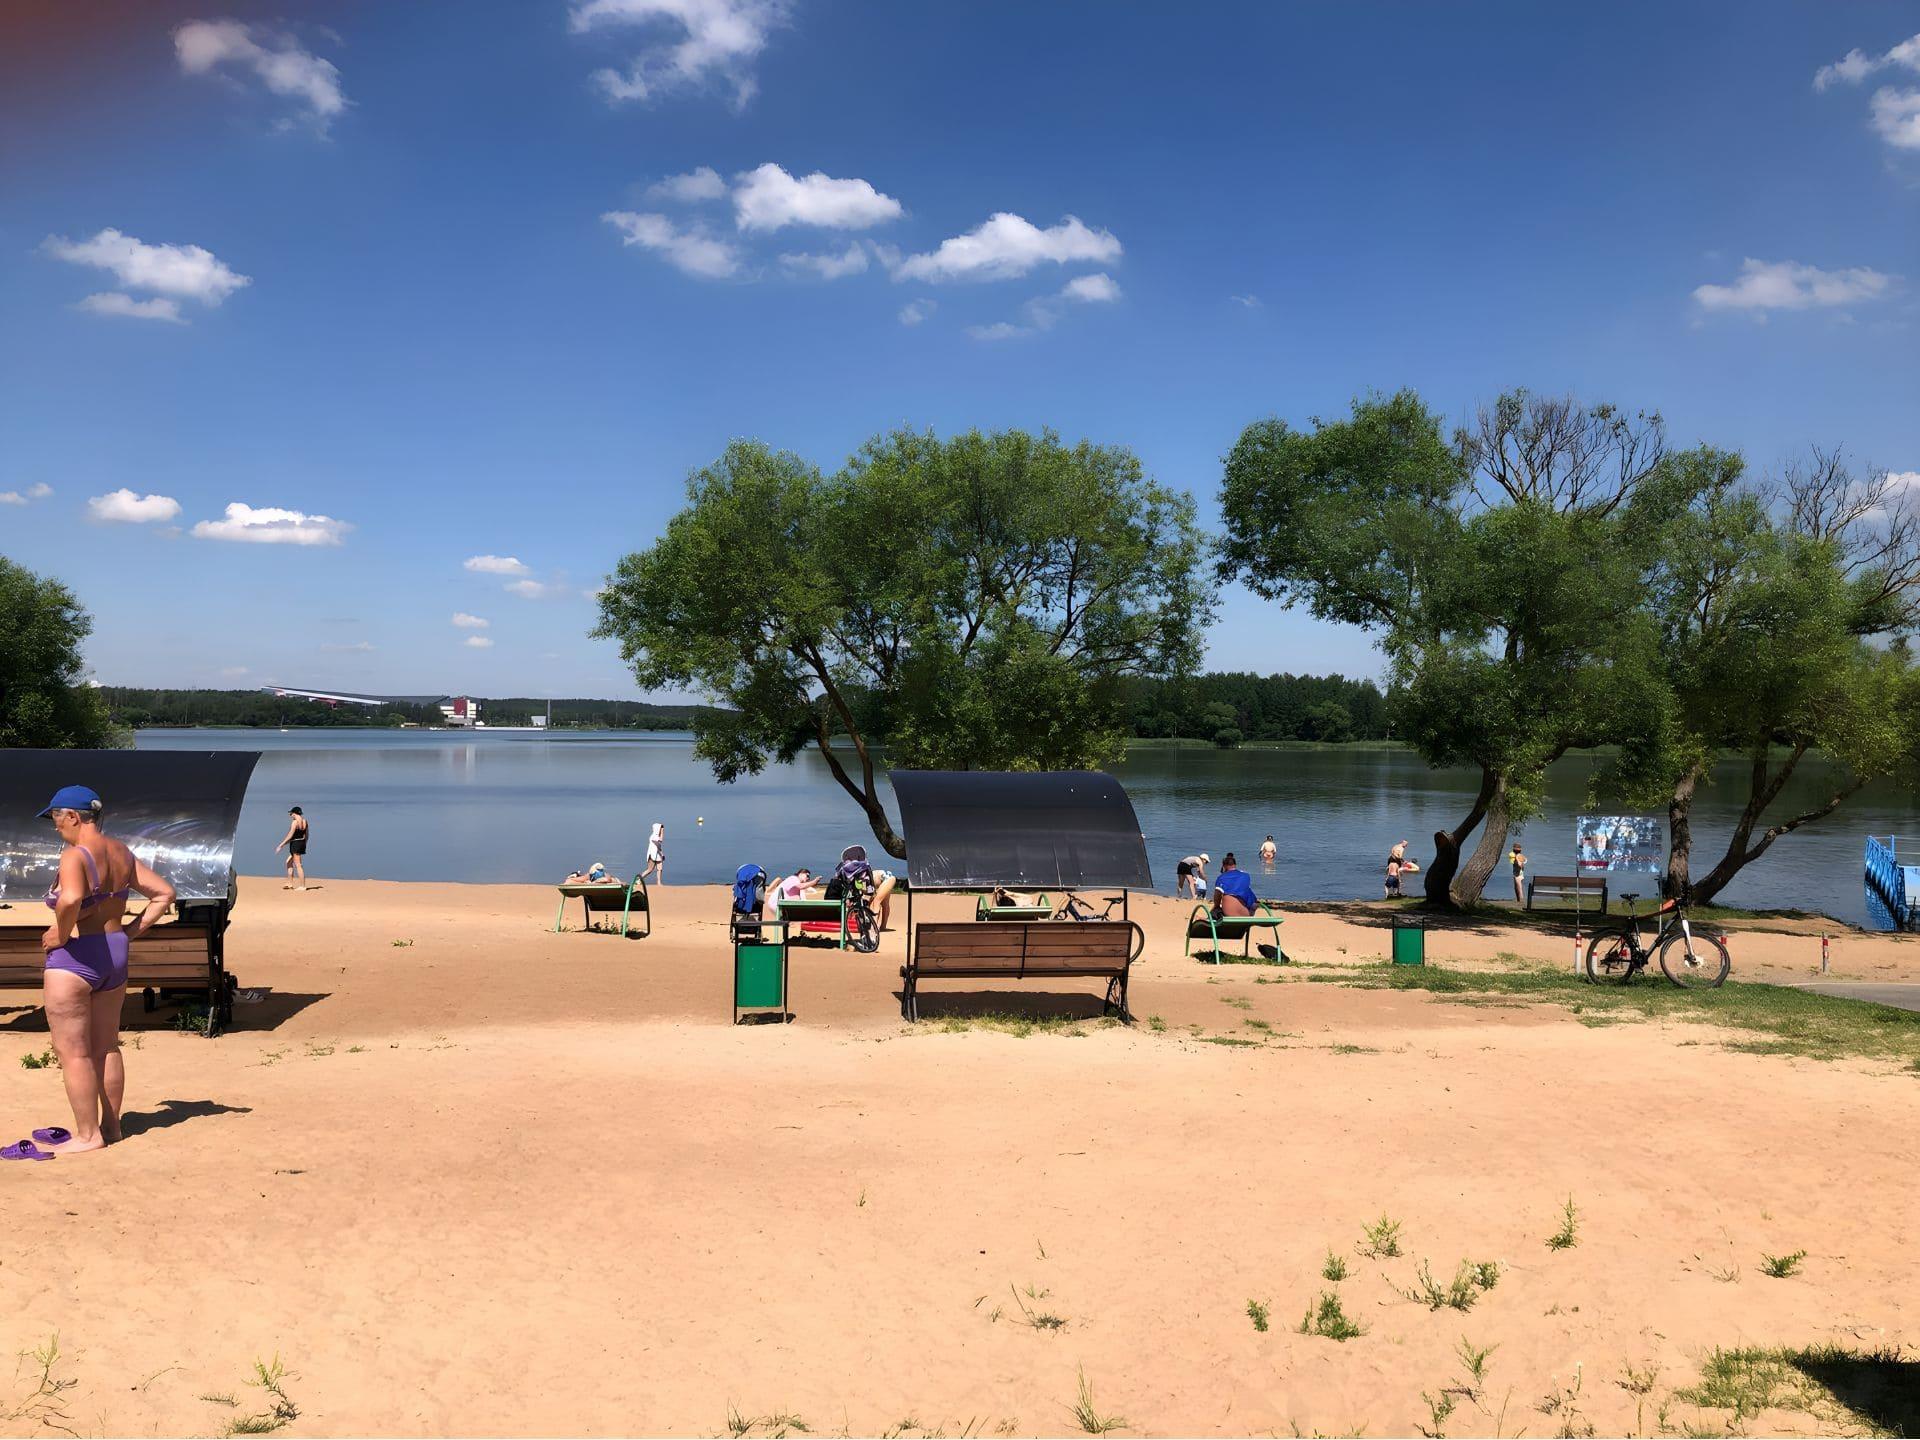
{"points": [[971, 602]]}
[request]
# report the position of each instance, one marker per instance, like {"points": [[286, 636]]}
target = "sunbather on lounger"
{"points": [[1233, 891], [594, 874], [798, 886]]}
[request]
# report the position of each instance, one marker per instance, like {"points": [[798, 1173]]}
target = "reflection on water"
{"points": [[498, 805]]}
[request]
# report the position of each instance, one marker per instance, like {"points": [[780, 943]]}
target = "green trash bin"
{"points": [[759, 977], [1409, 944]]}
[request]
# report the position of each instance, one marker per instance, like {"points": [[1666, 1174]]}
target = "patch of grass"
{"points": [[190, 1017], [1781, 1266], [784, 1423], [1257, 1313], [1156, 1024], [1568, 1235], [1343, 1049], [1018, 1026], [1335, 1268], [1776, 1019], [269, 1378], [1474, 1358], [1038, 1319], [1470, 1278], [44, 1405], [1235, 1041], [1239, 1002], [316, 1052], [1439, 1407], [1381, 1239], [1562, 1403], [45, 1060], [1327, 1318], [402, 944], [1257, 1024], [1088, 1417]]}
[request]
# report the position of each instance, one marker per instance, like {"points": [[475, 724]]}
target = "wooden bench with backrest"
{"points": [[183, 957], [1563, 887], [1022, 950]]}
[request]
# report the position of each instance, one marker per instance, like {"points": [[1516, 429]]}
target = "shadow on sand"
{"points": [[1039, 1006], [1882, 1385], [269, 1013], [175, 1112]]}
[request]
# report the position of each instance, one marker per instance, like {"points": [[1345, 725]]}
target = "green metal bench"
{"points": [[605, 900], [1203, 924], [798, 912], [985, 909]]}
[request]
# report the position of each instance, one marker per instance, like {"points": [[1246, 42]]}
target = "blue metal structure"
{"points": [[1895, 882]]}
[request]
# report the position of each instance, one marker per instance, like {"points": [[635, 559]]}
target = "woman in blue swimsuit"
{"points": [[86, 970]]}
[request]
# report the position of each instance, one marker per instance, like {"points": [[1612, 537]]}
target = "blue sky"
{"points": [[444, 349]]}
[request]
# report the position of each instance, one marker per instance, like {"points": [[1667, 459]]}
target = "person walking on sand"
{"points": [[295, 841], [85, 979], [1517, 858], [656, 870], [1267, 851]]}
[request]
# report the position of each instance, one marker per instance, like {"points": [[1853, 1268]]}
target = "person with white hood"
{"points": [[656, 870]]}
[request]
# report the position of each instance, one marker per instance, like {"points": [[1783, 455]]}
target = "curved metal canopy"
{"points": [[1054, 829], [175, 809]]}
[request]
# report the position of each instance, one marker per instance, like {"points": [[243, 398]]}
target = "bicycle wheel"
{"points": [[863, 932], [1610, 960], [1699, 965]]}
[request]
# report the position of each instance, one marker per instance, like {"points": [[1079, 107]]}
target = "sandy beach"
{"points": [[465, 1175]]}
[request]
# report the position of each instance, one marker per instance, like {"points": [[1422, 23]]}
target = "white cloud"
{"points": [[12, 497], [694, 186], [688, 250], [768, 198], [113, 302], [1856, 64], [1252, 302], [999, 330], [1092, 289], [706, 42], [128, 508], [915, 311], [346, 647], [464, 621], [280, 64], [1786, 285], [40, 490], [1896, 117], [268, 525], [529, 589], [480, 642], [829, 267], [495, 565], [187, 271], [1903, 479], [1007, 246]]}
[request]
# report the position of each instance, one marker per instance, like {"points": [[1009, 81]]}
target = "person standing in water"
{"points": [[295, 841], [1267, 851], [656, 870], [85, 980]]}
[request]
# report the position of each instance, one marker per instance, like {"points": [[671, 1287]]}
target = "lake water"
{"points": [[526, 806]]}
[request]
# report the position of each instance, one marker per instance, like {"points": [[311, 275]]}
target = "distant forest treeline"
{"points": [[1224, 708], [1230, 707], [136, 707]]}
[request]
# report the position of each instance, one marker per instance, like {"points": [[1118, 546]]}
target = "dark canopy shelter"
{"points": [[1057, 829], [176, 810]]}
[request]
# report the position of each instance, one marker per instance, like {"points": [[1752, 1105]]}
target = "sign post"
{"points": [[1614, 844]]}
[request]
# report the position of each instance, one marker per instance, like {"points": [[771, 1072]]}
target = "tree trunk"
{"points": [[1742, 849], [1472, 880], [1680, 836], [1447, 843]]}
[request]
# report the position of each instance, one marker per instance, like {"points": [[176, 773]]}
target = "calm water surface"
{"points": [[518, 805]]}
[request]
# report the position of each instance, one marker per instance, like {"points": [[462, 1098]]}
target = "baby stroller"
{"points": [[853, 883], [749, 894]]}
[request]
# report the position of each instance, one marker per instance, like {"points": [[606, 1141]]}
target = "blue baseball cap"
{"points": [[71, 797]]}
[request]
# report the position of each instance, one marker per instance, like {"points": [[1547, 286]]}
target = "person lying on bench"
{"points": [[1005, 899], [1233, 891], [798, 886], [594, 874]]}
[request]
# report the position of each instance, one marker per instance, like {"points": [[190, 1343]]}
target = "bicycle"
{"points": [[1693, 962], [1074, 908]]}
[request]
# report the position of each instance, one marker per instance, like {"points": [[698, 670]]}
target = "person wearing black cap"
{"points": [[86, 971], [296, 842]]}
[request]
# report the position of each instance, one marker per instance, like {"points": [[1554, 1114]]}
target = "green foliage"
{"points": [[1782, 1266], [1328, 708], [971, 602], [45, 702], [137, 708], [1257, 1313], [1328, 1319]]}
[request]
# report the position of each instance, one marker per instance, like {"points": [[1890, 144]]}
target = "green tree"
{"points": [[44, 702], [1329, 721], [971, 603], [1497, 571], [1773, 618]]}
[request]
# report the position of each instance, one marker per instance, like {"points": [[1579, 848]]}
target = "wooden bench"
{"points": [[1563, 887], [184, 957], [1203, 924], [985, 909], [606, 899], [1020, 950]]}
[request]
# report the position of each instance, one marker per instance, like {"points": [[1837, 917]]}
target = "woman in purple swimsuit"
{"points": [[86, 970]]}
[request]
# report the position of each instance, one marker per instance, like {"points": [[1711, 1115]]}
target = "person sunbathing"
{"points": [[1233, 891], [798, 886], [594, 874]]}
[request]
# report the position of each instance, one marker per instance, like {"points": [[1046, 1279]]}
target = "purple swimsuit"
{"points": [[100, 960]]}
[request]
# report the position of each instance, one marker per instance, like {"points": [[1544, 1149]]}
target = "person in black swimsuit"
{"points": [[295, 842]]}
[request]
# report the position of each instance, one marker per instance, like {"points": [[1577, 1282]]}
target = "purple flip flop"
{"points": [[53, 1135], [23, 1150]]}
